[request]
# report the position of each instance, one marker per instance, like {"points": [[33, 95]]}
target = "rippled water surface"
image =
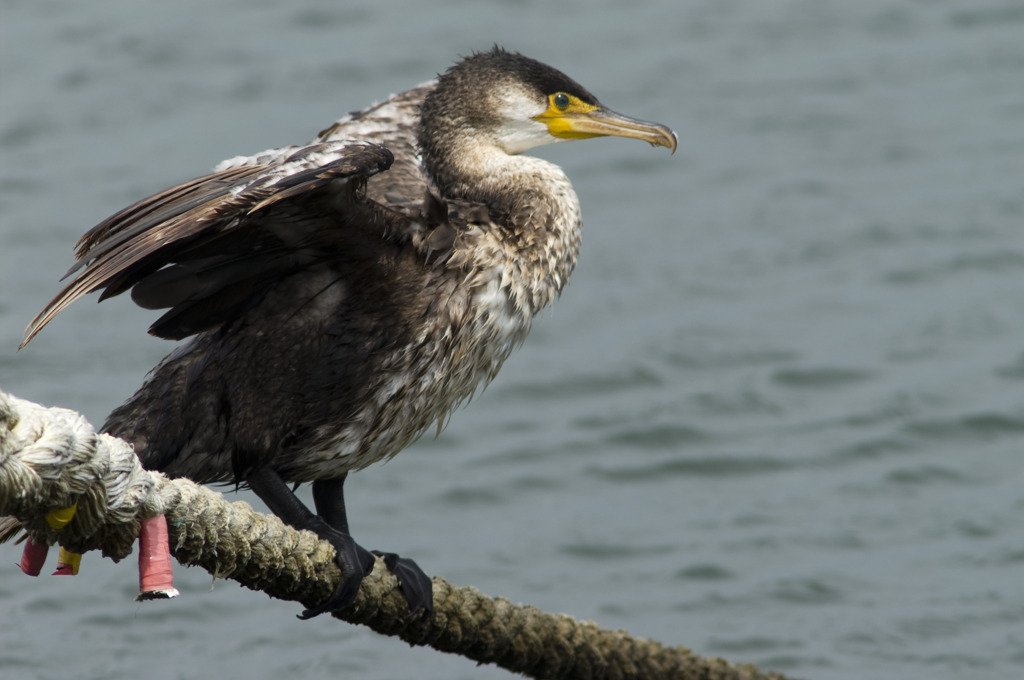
{"points": [[778, 415]]}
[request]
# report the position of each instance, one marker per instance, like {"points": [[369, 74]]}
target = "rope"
{"points": [[50, 458]]}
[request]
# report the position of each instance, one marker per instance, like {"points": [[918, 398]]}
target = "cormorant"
{"points": [[344, 295]]}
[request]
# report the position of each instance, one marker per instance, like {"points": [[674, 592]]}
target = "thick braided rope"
{"points": [[51, 458]]}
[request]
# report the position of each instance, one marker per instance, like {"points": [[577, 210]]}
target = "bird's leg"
{"points": [[355, 561], [329, 497]]}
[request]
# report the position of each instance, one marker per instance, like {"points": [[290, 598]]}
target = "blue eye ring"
{"points": [[561, 101]]}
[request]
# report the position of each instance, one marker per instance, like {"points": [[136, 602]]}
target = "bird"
{"points": [[339, 298]]}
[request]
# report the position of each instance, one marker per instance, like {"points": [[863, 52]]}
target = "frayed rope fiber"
{"points": [[51, 458]]}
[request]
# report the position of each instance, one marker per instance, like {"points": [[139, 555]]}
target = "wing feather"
{"points": [[207, 230]]}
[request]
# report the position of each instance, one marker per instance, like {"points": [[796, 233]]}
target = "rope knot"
{"points": [[53, 459]]}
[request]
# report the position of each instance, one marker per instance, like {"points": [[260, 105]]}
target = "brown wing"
{"points": [[200, 247]]}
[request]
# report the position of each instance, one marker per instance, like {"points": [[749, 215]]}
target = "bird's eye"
{"points": [[561, 101]]}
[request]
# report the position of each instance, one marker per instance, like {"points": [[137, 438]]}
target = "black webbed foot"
{"points": [[331, 524], [355, 561], [416, 586]]}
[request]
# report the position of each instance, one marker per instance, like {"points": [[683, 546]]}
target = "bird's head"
{"points": [[518, 103]]}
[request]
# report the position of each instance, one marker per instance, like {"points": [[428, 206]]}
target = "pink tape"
{"points": [[156, 577], [32, 557]]}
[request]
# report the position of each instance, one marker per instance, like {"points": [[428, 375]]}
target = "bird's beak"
{"points": [[601, 122]]}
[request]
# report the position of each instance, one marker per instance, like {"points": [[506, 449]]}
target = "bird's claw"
{"points": [[417, 587], [356, 563]]}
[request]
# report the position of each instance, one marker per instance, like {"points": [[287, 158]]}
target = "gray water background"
{"points": [[776, 417]]}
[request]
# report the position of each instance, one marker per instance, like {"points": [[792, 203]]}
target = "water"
{"points": [[777, 416]]}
